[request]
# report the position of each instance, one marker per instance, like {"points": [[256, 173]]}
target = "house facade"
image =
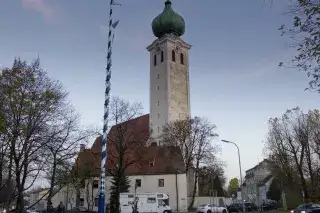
{"points": [[257, 182], [152, 168], [37, 198]]}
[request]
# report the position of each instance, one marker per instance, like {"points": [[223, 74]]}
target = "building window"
{"points": [[158, 103], [161, 56], [158, 129], [151, 163], [95, 184], [83, 184], [181, 58], [155, 60], [173, 55], [138, 182], [160, 182], [151, 200], [158, 115], [158, 88], [96, 201], [81, 202], [158, 76]]}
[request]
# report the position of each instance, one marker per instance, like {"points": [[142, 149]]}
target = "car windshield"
{"points": [[203, 205], [304, 206], [161, 202]]}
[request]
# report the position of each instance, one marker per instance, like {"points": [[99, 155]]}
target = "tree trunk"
{"points": [[52, 183], [194, 189], [177, 192]]}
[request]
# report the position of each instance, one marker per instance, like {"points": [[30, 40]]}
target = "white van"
{"points": [[146, 202]]}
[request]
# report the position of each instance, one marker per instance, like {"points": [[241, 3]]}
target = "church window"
{"points": [[161, 56], [181, 58], [158, 103], [158, 87], [158, 76], [138, 182], [81, 203], [155, 60], [158, 115], [160, 182], [173, 55]]}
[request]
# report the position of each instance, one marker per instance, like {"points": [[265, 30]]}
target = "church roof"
{"points": [[141, 160], [168, 22]]}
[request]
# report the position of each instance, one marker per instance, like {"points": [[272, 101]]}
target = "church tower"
{"points": [[169, 71]]}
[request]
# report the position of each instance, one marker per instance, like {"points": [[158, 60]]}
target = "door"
{"points": [[161, 206], [213, 208], [152, 205]]}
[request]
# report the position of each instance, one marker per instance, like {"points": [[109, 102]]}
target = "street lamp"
{"points": [[242, 198]]}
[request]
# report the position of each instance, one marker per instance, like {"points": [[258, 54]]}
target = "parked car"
{"points": [[235, 207], [211, 208], [269, 206], [250, 207], [306, 208]]}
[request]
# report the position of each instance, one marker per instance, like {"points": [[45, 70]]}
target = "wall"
{"points": [[36, 196], [221, 201], [172, 79], [149, 183]]}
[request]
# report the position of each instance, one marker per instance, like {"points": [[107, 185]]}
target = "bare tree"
{"points": [[63, 141], [195, 139], [82, 175], [291, 146], [31, 101]]}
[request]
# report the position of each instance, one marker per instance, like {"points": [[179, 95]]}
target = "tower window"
{"points": [[158, 76], [158, 115], [158, 103], [155, 60], [161, 56], [173, 55], [181, 58], [158, 87], [158, 129]]}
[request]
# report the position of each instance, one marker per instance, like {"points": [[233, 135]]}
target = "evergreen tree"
{"points": [[274, 192], [120, 184]]}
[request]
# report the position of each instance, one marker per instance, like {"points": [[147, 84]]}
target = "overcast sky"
{"points": [[236, 47]]}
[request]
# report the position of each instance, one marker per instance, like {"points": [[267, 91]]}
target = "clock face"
{"points": [[178, 47], [157, 47]]}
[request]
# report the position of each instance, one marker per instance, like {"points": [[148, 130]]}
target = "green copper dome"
{"points": [[168, 22]]}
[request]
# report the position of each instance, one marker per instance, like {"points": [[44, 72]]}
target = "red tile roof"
{"points": [[133, 135]]}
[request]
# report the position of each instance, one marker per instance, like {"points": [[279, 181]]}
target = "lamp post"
{"points": [[242, 198]]}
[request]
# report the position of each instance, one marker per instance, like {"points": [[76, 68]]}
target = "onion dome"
{"points": [[168, 22]]}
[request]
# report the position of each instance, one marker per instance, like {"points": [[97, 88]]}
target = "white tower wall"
{"points": [[169, 82]]}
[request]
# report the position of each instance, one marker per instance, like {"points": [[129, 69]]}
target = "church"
{"points": [[159, 168]]}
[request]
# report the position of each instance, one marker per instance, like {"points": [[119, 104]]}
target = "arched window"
{"points": [[173, 55], [161, 56], [155, 60], [181, 58]]}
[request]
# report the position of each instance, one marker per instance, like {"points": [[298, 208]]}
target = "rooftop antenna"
{"points": [[111, 33]]}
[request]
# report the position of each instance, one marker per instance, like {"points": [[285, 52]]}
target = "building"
{"points": [[169, 71], [153, 168], [257, 182], [37, 198]]}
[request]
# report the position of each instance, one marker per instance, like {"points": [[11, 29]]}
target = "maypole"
{"points": [[112, 26]]}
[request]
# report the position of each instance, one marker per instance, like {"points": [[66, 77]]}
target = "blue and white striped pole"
{"points": [[112, 26]]}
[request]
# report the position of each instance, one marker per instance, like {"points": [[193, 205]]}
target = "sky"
{"points": [[235, 81]]}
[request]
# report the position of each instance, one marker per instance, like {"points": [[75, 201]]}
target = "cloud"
{"points": [[41, 6]]}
